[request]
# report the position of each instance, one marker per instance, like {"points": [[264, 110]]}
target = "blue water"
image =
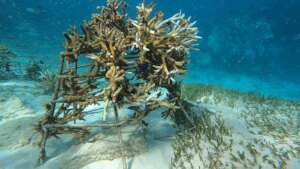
{"points": [[249, 45]]}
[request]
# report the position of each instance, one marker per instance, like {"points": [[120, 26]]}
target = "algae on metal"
{"points": [[125, 60]]}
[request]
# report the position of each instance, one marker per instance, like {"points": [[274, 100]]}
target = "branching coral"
{"points": [[32, 71], [47, 80], [129, 58], [13, 66], [6, 55]]}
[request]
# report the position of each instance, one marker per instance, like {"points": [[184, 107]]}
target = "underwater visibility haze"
{"points": [[168, 84]]}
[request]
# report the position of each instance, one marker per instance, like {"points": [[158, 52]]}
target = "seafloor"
{"points": [[239, 130], [235, 129]]}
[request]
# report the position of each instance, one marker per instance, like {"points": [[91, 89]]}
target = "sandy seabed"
{"points": [[21, 106]]}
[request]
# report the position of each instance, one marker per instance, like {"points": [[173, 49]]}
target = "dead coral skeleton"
{"points": [[127, 59]]}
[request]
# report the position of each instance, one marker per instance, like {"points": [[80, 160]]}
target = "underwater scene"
{"points": [[141, 84]]}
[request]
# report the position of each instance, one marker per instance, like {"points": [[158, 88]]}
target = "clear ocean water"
{"points": [[238, 106], [247, 45]]}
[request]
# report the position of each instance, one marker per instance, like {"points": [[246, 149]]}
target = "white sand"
{"points": [[21, 107]]}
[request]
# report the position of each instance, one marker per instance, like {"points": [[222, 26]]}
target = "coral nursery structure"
{"points": [[13, 66], [6, 68], [119, 62]]}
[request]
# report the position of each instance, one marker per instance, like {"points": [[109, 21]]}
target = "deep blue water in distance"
{"points": [[249, 45]]}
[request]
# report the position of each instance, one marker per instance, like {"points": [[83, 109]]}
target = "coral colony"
{"points": [[12, 66], [5, 62], [119, 62]]}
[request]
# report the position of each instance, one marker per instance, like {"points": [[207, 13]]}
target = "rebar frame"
{"points": [[119, 62]]}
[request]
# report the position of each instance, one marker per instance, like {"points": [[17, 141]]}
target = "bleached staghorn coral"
{"points": [[133, 57], [164, 42], [164, 46]]}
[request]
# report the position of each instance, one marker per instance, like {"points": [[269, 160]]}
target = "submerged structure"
{"points": [[121, 63], [13, 66], [6, 67]]}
